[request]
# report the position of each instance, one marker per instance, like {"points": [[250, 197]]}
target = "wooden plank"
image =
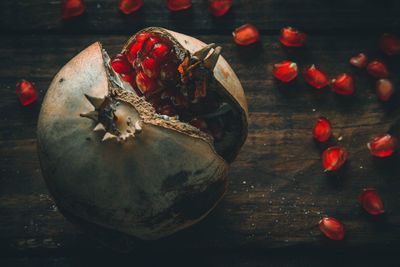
{"points": [[277, 191], [103, 16]]}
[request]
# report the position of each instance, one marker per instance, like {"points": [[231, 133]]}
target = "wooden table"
{"points": [[277, 191]]}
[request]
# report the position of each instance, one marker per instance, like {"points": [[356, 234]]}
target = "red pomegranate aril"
{"points": [[343, 84], [390, 44], [359, 61], [384, 89], [121, 65], [199, 124], [377, 69], [149, 44], [332, 228], [26, 92], [292, 37], [133, 51], [371, 201], [145, 84], [322, 130], [219, 7], [382, 145], [285, 71], [129, 6], [160, 52], [315, 77], [150, 67], [178, 5], [333, 158], [72, 8], [246, 34]]}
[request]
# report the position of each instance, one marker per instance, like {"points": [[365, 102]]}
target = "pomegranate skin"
{"points": [[150, 186]]}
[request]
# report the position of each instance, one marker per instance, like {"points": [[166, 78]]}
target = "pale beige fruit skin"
{"points": [[148, 187]]}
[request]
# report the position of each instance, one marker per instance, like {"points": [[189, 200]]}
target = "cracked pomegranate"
{"points": [[246, 34], [285, 71], [292, 37], [371, 201], [333, 158], [72, 8], [322, 130], [343, 84], [26, 92], [332, 228], [382, 145], [315, 77], [141, 144]]}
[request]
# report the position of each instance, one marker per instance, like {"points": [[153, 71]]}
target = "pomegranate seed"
{"points": [[315, 77], [129, 6], [160, 51], [219, 7], [120, 64], [371, 201], [384, 89], [285, 71], [343, 84], [149, 44], [246, 34], [359, 61], [150, 67], [199, 124], [145, 84], [292, 37], [382, 145], [178, 5], [26, 92], [169, 72], [377, 69], [72, 8], [322, 130], [390, 44], [333, 158], [332, 228], [133, 51]]}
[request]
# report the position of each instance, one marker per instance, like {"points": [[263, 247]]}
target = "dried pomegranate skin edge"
{"points": [[127, 186]]}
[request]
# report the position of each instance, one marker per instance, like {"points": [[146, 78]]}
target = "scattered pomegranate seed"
{"points": [[150, 67], [390, 44], [322, 130], [332, 228], [285, 71], [160, 51], [371, 201], [343, 84], [377, 69], [333, 158], [120, 64], [315, 77], [359, 61], [178, 5], [382, 145], [292, 37], [219, 7], [384, 89], [145, 84], [72, 8], [26, 92], [246, 34], [129, 6]]}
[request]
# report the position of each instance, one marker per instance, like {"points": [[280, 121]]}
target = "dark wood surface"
{"points": [[277, 191]]}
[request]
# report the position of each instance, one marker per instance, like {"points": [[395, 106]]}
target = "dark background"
{"points": [[277, 191]]}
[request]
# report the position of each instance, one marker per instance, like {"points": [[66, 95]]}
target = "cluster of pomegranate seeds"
{"points": [[390, 44], [384, 89], [178, 5], [333, 158], [377, 69], [359, 61], [315, 77], [219, 7], [292, 37], [371, 201], [322, 130], [382, 145], [246, 34], [332, 228], [285, 71], [72, 8], [343, 84], [26, 92], [130, 6]]}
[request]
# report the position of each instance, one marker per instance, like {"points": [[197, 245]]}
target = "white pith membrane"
{"points": [[114, 113]]}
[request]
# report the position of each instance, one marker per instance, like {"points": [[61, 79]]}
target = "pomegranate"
{"points": [[144, 153]]}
